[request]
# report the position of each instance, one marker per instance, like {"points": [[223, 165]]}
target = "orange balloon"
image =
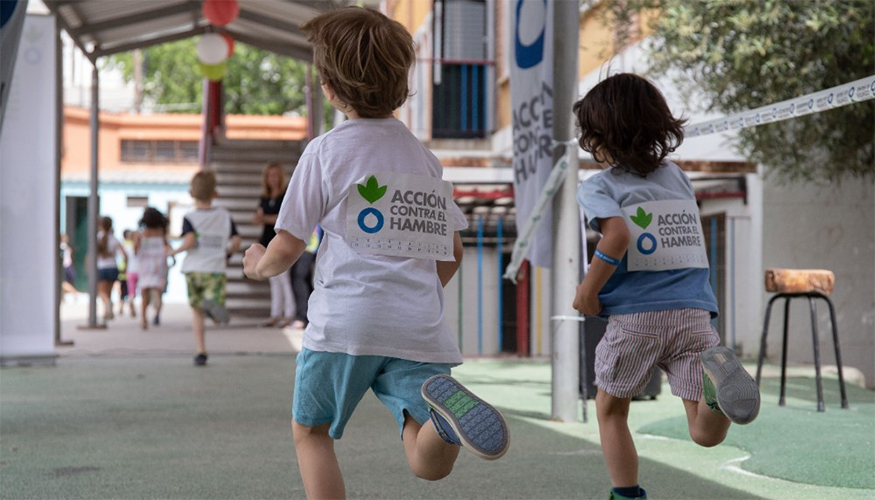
{"points": [[230, 42]]}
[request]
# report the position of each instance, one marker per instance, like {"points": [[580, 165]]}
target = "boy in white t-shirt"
{"points": [[207, 232], [390, 244]]}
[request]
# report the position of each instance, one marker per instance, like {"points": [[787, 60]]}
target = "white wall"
{"points": [[811, 226]]}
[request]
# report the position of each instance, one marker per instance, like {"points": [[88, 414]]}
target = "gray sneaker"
{"points": [[734, 392], [460, 417], [215, 312]]}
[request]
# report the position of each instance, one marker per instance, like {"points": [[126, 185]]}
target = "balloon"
{"points": [[214, 72], [212, 49], [230, 42], [221, 12]]}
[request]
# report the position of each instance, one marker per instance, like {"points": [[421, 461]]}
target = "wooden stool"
{"points": [[814, 284]]}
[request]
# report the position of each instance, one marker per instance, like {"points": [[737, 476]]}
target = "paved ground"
{"points": [[125, 415]]}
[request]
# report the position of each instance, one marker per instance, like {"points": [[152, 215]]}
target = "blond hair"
{"points": [[364, 56], [265, 189], [203, 186]]}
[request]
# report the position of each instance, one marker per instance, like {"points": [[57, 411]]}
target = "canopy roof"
{"points": [[105, 27]]}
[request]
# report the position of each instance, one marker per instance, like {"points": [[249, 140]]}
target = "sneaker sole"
{"points": [[737, 392], [479, 426]]}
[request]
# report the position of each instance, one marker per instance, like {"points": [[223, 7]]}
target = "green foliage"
{"points": [[257, 82], [748, 53]]}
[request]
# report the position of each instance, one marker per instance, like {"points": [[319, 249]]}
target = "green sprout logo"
{"points": [[642, 218], [646, 242], [372, 191]]}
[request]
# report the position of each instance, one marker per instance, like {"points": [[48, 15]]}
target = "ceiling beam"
{"points": [[148, 42], [298, 52], [141, 17], [271, 22], [53, 8]]}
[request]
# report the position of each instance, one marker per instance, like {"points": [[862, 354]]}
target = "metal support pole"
{"points": [[59, 126], [93, 200], [566, 222]]}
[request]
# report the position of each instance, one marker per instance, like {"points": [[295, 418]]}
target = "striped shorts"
{"points": [[636, 343]]}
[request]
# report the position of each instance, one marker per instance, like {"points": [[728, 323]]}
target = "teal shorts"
{"points": [[329, 385]]}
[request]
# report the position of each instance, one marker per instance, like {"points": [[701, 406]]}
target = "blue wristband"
{"points": [[607, 258]]}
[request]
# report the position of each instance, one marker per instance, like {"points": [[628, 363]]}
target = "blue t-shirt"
{"points": [[603, 196]]}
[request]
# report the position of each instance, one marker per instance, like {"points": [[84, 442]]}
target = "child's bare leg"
{"points": [[157, 302], [707, 428], [104, 291], [198, 327], [320, 470], [617, 444], [144, 303], [428, 456]]}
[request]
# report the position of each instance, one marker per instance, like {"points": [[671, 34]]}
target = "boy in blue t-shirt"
{"points": [[650, 277]]}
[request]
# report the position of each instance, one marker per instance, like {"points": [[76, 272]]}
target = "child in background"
{"points": [[376, 318], [151, 249], [656, 296], [108, 247], [208, 235], [125, 269]]}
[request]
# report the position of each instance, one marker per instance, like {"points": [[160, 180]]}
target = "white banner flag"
{"points": [[531, 91]]}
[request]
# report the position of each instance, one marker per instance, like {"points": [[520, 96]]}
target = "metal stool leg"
{"points": [[835, 340], [818, 380], [762, 355], [784, 348]]}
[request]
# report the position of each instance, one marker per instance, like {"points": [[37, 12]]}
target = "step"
{"points": [[234, 190], [238, 204], [247, 303], [238, 178]]}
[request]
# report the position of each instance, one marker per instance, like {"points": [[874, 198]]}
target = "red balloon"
{"points": [[221, 12], [230, 41]]}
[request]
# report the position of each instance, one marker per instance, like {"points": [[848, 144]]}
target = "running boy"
{"points": [[206, 232], [377, 312], [650, 277]]}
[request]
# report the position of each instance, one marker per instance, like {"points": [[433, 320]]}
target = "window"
{"points": [[459, 102], [159, 152], [138, 201]]}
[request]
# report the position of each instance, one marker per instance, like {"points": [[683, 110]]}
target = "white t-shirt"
{"points": [[108, 261], [367, 304], [213, 228]]}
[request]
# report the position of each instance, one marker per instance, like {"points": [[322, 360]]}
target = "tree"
{"points": [[748, 53], [257, 82]]}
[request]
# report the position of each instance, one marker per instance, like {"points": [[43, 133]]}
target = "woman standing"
{"points": [[107, 267], [273, 188]]}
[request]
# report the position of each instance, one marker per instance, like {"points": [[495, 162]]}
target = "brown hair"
{"points": [[154, 219], [625, 121], [203, 185], [364, 56], [265, 189], [105, 225]]}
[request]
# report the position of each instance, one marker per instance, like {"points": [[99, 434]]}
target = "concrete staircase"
{"points": [[238, 165]]}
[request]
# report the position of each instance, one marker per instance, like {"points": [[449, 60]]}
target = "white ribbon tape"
{"points": [[835, 97]]}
